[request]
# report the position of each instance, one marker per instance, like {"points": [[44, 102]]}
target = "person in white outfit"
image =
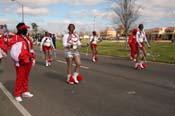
{"points": [[140, 39], [47, 47], [93, 43], [71, 42]]}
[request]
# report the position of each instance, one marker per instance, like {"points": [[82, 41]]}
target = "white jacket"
{"points": [[71, 39]]}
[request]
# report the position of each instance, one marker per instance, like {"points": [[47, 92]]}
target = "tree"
{"points": [[127, 13], [34, 28]]}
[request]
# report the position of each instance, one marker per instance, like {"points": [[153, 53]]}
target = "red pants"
{"points": [[133, 50], [22, 79], [93, 46]]}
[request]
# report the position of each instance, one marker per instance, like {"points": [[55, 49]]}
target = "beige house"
{"points": [[157, 33], [169, 33], [120, 32], [108, 34]]}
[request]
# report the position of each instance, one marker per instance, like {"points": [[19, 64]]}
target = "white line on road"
{"points": [[17, 105], [85, 67]]}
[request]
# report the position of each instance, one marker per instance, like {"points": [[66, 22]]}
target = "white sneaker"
{"points": [[49, 63], [75, 77], [27, 94], [70, 79], [18, 99], [93, 60]]}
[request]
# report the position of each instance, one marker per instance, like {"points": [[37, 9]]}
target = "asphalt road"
{"points": [[111, 87]]}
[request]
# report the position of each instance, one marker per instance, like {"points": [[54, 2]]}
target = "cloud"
{"points": [[93, 13], [156, 9], [6, 21], [34, 11], [61, 26], [51, 2]]}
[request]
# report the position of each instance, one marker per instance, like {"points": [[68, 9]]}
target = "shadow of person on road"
{"points": [[55, 76], [40, 63], [1, 71]]}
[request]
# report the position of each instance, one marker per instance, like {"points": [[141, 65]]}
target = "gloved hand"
{"points": [[33, 62]]}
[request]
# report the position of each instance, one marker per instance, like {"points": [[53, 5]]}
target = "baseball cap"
{"points": [[22, 26]]}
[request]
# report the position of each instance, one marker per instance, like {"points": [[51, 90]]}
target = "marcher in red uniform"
{"points": [[71, 42], [132, 44], [22, 53], [47, 47], [3, 46], [93, 43]]}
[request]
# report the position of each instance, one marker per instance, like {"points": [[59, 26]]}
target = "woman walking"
{"points": [[140, 39], [71, 42], [47, 47]]}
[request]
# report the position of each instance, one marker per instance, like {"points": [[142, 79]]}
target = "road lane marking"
{"points": [[23, 111], [85, 67]]}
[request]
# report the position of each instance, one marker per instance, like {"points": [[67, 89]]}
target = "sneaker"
{"points": [[75, 77], [49, 63], [18, 99], [96, 58], [138, 66], [93, 59], [27, 94], [141, 65], [70, 79]]}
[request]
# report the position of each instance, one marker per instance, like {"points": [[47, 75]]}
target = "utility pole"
{"points": [[94, 23], [22, 8]]}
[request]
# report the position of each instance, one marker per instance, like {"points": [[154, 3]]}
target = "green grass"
{"points": [[160, 52], [163, 52]]}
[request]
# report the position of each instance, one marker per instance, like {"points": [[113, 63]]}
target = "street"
{"points": [[111, 87]]}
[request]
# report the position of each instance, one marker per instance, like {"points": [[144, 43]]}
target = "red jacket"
{"points": [[3, 46], [21, 49], [132, 40]]}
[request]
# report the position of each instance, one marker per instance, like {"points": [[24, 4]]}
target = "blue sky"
{"points": [[55, 15]]}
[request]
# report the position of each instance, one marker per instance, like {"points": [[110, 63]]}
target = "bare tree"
{"points": [[127, 12]]}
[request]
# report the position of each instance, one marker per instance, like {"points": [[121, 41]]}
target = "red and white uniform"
{"points": [[71, 43], [47, 44], [141, 38], [22, 53], [132, 44], [3, 46], [71, 40], [93, 40]]}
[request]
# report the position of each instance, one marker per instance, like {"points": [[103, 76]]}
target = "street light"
{"points": [[22, 8], [94, 23]]}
